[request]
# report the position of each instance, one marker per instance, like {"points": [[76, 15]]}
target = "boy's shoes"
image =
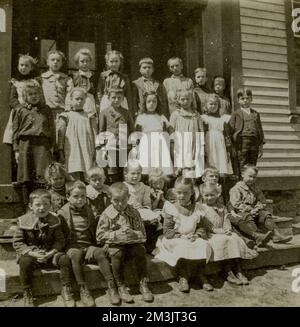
{"points": [[278, 238], [262, 239], [242, 278], [67, 296], [28, 298], [144, 290], [184, 285], [205, 283], [113, 294], [124, 294], [231, 278], [86, 297]]}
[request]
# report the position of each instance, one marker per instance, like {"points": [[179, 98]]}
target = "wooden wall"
{"points": [[265, 70]]}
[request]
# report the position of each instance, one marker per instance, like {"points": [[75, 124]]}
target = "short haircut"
{"points": [[173, 59], [210, 187], [118, 187], [132, 164], [60, 53], [200, 69], [244, 92], [71, 186], [115, 53], [39, 194], [54, 169], [83, 51], [31, 85], [156, 174], [115, 90], [78, 89], [184, 181], [95, 171], [33, 61], [220, 78], [146, 61], [211, 170], [248, 167]]}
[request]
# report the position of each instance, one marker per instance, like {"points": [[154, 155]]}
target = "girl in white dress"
{"points": [[215, 145], [76, 136], [154, 149]]}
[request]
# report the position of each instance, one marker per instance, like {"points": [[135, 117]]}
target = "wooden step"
{"points": [[285, 224], [296, 229], [46, 282]]}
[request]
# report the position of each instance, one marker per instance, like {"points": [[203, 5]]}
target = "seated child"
{"points": [[97, 192], [183, 244], [211, 175], [249, 203], [226, 245], [80, 233], [56, 175], [157, 182], [140, 199], [39, 242], [121, 230]]}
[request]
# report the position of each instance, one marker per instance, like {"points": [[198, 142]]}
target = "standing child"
{"points": [[184, 244], [219, 88], [248, 202], [226, 245], [39, 242], [154, 150], [85, 79], [114, 78], [120, 229], [201, 89], [115, 125], [97, 192], [140, 199], [76, 136], [57, 177], [33, 138], [80, 233], [176, 82], [188, 139], [247, 131], [216, 150], [147, 84]]}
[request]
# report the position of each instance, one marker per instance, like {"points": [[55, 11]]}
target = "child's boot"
{"points": [[205, 283], [231, 278], [124, 294], [184, 285], [113, 294], [28, 298], [86, 297], [279, 238], [262, 239], [144, 290], [242, 278], [67, 296]]}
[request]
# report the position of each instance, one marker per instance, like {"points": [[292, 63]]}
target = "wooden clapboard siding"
{"points": [[264, 55], [297, 62]]}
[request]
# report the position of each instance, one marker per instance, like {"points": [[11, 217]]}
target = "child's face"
{"points": [[249, 176], [33, 96], [40, 207], [116, 99], [151, 103], [54, 62], [78, 100], [97, 181], [146, 70], [183, 194], [200, 78], [77, 198], [219, 85], [133, 176], [210, 197], [119, 200], [175, 67], [114, 63], [212, 106], [211, 178], [244, 101], [84, 62], [24, 66], [57, 181], [185, 101], [158, 184]]}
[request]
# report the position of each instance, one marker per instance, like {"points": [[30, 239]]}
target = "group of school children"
{"points": [[171, 198]]}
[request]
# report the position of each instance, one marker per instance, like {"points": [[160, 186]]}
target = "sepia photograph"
{"points": [[150, 155]]}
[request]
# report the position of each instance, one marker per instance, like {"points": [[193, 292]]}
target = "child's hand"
{"points": [[39, 254], [17, 154], [227, 231]]}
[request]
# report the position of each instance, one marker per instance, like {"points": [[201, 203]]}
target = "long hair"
{"points": [[158, 109]]}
